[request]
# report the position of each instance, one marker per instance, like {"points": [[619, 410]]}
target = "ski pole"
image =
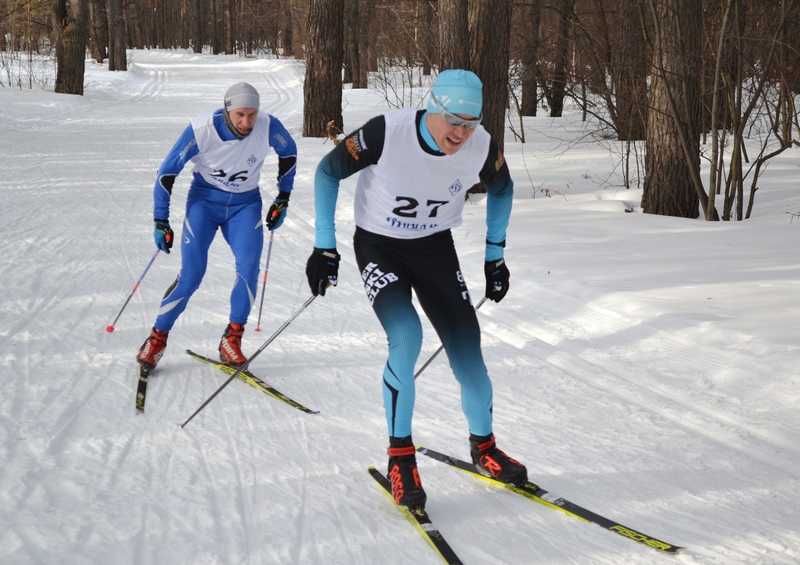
{"points": [[110, 327], [438, 351], [253, 356], [264, 286]]}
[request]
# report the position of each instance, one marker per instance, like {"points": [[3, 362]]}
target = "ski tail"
{"points": [[253, 381], [535, 492], [421, 521]]}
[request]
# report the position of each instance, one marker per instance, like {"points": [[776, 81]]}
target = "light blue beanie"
{"points": [[458, 91]]}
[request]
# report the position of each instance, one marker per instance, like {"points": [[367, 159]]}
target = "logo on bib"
{"points": [[456, 187]]}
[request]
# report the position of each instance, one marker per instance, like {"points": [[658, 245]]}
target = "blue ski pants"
{"points": [[239, 218]]}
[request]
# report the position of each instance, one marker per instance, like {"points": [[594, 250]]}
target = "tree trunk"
{"points": [[366, 62], [530, 15], [120, 42], [672, 159], [322, 95], [98, 42], [356, 48], [453, 34], [490, 31], [111, 7], [429, 56], [629, 70], [197, 29], [560, 72], [351, 61], [299, 22], [215, 41], [70, 24], [230, 41]]}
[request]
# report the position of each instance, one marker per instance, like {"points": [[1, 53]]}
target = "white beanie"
{"points": [[241, 95]]}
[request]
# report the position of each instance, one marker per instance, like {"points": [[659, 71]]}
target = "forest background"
{"points": [[676, 83]]}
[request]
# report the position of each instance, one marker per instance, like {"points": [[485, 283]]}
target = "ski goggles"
{"points": [[454, 120]]}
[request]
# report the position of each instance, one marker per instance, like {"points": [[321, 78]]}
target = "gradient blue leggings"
{"points": [[238, 217], [390, 269]]}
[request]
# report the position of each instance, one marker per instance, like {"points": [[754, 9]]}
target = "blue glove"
{"points": [[163, 235], [277, 211]]}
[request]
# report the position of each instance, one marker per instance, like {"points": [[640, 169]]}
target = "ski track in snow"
{"points": [[630, 372]]}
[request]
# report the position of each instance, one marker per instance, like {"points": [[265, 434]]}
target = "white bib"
{"points": [[409, 193], [235, 165]]}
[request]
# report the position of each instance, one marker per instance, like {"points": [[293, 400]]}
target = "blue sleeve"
{"points": [[285, 147], [326, 193], [357, 151], [499, 198], [180, 154]]}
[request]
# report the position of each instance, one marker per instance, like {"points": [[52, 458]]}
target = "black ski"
{"points": [[421, 521], [534, 492], [141, 388], [252, 380]]}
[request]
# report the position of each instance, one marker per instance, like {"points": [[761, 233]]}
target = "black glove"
{"points": [[496, 279], [277, 211], [322, 270], [163, 235]]}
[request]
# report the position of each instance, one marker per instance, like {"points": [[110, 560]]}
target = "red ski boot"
{"points": [[230, 347]]}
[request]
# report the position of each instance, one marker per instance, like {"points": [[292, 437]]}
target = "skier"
{"points": [[228, 148], [416, 167]]}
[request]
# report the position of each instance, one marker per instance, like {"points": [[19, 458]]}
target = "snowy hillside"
{"points": [[644, 367]]}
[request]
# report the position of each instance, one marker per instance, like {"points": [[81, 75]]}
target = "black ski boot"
{"points": [[406, 485], [492, 462]]}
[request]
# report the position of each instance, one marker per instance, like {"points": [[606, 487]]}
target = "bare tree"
{"points": [[98, 24], [527, 32], [322, 95], [558, 90], [196, 27], [356, 55], [490, 33], [672, 185], [629, 67], [70, 19], [430, 52], [117, 56], [453, 34]]}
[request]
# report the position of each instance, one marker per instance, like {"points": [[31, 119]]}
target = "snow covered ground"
{"points": [[644, 367]]}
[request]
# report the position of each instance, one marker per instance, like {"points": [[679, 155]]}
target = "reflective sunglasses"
{"points": [[454, 120]]}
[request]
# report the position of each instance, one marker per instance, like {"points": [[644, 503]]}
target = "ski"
{"points": [[141, 388], [421, 521], [252, 380], [534, 492]]}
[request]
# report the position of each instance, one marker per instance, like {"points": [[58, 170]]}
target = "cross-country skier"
{"points": [[416, 166], [227, 148]]}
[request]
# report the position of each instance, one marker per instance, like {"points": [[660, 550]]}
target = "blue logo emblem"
{"points": [[251, 160], [456, 187]]}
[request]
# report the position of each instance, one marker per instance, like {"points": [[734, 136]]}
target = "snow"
{"points": [[644, 367]]}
